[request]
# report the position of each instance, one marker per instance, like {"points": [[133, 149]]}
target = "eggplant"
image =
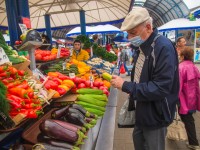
{"points": [[60, 132], [83, 111], [44, 146], [72, 110], [91, 121], [76, 119], [57, 114], [45, 139]]}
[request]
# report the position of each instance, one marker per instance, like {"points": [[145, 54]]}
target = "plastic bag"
{"points": [[126, 118]]}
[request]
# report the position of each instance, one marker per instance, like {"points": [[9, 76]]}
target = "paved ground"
{"points": [[123, 137]]}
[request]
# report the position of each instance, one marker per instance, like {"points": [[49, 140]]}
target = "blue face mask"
{"points": [[136, 41]]}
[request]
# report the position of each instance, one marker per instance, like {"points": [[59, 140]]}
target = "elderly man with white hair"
{"points": [[155, 81]]}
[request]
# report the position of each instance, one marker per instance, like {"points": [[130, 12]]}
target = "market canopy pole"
{"points": [[11, 10], [48, 27], [82, 21]]}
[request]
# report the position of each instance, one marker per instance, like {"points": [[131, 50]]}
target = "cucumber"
{"points": [[88, 105], [89, 91], [90, 100]]}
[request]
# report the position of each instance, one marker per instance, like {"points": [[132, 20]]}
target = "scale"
{"points": [[32, 41]]}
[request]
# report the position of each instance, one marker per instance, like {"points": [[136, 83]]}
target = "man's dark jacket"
{"points": [[157, 92]]}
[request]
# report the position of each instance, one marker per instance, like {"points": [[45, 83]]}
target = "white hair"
{"points": [[149, 21]]}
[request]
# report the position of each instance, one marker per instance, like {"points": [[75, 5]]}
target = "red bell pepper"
{"points": [[57, 80], [63, 77], [51, 85], [61, 91], [15, 104], [36, 101], [33, 113], [15, 98]]}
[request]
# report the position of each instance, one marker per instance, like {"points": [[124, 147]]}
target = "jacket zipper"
{"points": [[168, 108]]}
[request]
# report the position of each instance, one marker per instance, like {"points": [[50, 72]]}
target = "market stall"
{"points": [[47, 98]]}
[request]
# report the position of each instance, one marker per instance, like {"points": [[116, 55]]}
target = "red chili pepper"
{"points": [[5, 74], [15, 104], [28, 100], [23, 85], [61, 91], [7, 80], [33, 113], [12, 84], [19, 92], [15, 98], [36, 101], [30, 94], [30, 106], [3, 68], [22, 72], [12, 70]]}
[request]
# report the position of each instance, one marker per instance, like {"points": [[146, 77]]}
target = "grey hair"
{"points": [[149, 21]]}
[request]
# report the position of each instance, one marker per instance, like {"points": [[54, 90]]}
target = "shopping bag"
{"points": [[122, 69], [176, 131], [126, 118]]}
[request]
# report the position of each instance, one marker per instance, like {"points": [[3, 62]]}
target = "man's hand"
{"points": [[117, 82]]}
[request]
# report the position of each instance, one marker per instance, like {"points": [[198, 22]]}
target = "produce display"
{"points": [[68, 68], [19, 93], [10, 52], [67, 126]]}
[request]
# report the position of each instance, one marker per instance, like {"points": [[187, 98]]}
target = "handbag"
{"points": [[176, 131], [126, 118]]}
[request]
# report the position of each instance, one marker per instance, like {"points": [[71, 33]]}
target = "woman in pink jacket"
{"points": [[189, 94]]}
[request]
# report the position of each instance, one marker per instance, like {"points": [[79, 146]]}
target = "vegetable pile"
{"points": [[19, 93], [12, 54], [44, 55], [64, 52]]}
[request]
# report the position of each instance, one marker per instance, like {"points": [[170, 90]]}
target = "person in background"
{"points": [[189, 94], [180, 44], [108, 47], [123, 60], [155, 81], [78, 53]]}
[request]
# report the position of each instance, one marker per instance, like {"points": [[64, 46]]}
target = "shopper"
{"points": [[123, 60], [189, 94], [78, 53], [180, 44], [155, 84]]}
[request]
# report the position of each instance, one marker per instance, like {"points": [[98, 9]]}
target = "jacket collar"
{"points": [[145, 47]]}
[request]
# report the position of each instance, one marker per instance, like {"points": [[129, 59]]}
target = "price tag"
{"points": [[23, 28], [3, 57], [72, 75], [64, 65], [58, 53], [91, 78]]}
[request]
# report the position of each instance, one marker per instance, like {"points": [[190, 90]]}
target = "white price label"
{"points": [[23, 28], [3, 57], [91, 78], [58, 53], [64, 65], [72, 75]]}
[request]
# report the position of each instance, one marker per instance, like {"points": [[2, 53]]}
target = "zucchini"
{"points": [[98, 97], [95, 111], [88, 105], [89, 91], [90, 100]]}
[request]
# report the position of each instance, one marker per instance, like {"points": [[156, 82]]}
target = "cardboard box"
{"points": [[65, 100]]}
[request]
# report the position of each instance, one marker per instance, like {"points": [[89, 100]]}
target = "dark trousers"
{"points": [[188, 120], [149, 139]]}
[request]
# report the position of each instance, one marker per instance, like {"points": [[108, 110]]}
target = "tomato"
{"points": [[17, 42], [96, 84], [81, 85], [38, 56], [87, 83]]}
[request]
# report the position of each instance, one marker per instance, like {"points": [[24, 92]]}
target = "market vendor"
{"points": [[78, 53]]}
